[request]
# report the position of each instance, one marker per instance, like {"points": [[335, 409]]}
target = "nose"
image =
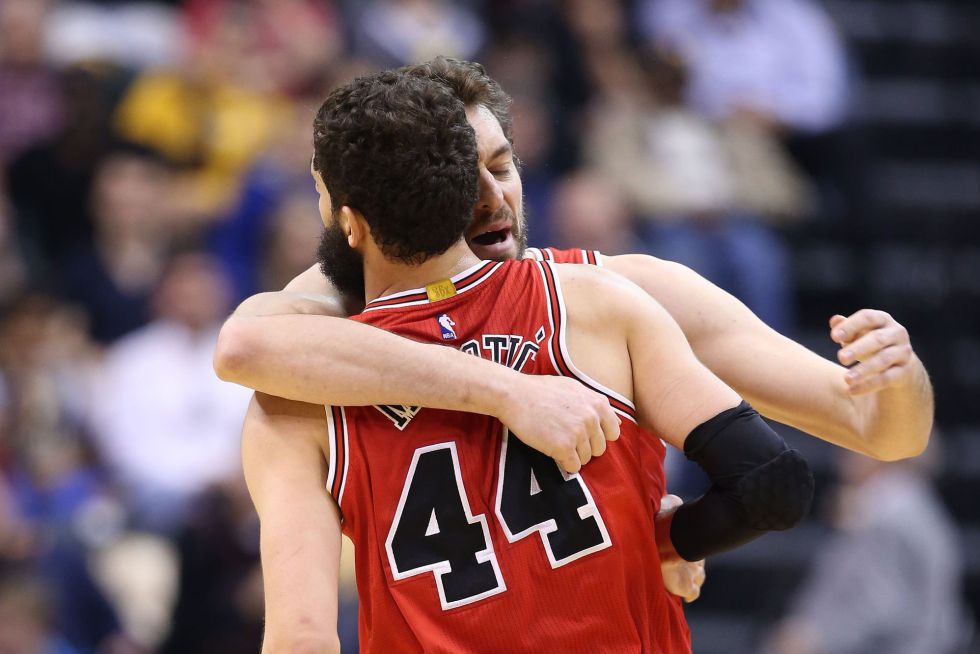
{"points": [[491, 195]]}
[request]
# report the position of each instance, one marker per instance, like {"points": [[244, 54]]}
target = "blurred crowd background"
{"points": [[810, 157]]}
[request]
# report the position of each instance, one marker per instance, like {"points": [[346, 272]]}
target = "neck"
{"points": [[384, 277]]}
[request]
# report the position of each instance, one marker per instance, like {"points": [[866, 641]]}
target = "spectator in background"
{"points": [[31, 109], [52, 487], [214, 114], [780, 62], [706, 190], [49, 183], [589, 212], [166, 426], [27, 615], [398, 32], [280, 177], [894, 557], [49, 364], [778, 66], [113, 278], [132, 34], [294, 42], [537, 55], [220, 604], [290, 242]]}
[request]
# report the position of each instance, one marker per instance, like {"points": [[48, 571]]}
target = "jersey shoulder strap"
{"points": [[592, 257]]}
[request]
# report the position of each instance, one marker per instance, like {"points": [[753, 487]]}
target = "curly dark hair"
{"points": [[398, 149], [471, 84]]}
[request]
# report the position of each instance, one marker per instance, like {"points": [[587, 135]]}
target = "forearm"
{"points": [[782, 379], [323, 360]]}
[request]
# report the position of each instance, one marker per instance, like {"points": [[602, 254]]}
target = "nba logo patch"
{"points": [[446, 325]]}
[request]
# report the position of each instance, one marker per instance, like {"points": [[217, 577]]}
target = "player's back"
{"points": [[466, 539]]}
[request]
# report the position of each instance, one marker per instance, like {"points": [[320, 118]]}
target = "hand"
{"points": [[682, 578], [879, 343], [561, 418]]}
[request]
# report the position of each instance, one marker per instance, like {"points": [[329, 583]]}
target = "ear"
{"points": [[355, 226]]}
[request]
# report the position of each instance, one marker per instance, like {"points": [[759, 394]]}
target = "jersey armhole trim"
{"points": [[558, 348], [337, 463], [534, 254]]}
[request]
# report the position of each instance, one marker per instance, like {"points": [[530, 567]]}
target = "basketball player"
{"points": [[453, 556]]}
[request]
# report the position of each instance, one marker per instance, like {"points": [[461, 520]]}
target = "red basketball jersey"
{"points": [[466, 539], [651, 450], [593, 257]]}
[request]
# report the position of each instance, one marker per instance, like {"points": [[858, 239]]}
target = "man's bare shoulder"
{"points": [[668, 274], [599, 298], [589, 278]]}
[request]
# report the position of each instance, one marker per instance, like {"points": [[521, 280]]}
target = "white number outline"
{"points": [[441, 568], [587, 510]]}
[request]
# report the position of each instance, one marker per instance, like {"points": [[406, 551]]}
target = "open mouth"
{"points": [[492, 237]]}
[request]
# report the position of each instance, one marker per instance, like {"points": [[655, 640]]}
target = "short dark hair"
{"points": [[398, 149], [471, 84]]}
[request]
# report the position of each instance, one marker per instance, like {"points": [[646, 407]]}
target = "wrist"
{"points": [[494, 390]]}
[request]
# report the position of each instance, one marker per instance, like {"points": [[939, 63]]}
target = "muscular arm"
{"points": [[283, 445], [886, 418], [293, 345], [625, 340], [758, 484]]}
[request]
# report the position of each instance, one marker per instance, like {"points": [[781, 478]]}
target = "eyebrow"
{"points": [[504, 148]]}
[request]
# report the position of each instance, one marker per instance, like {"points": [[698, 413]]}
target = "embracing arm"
{"points": [[285, 468], [758, 484], [292, 345], [885, 412]]}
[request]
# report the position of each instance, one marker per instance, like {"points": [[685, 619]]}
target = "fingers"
{"points": [[877, 343], [684, 579], [872, 342], [879, 346], [589, 423], [610, 421], [893, 355], [584, 449], [598, 442], [697, 580], [570, 463], [699, 573], [846, 330], [605, 426]]}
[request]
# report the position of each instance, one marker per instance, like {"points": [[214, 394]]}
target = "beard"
{"points": [[340, 263], [520, 231]]}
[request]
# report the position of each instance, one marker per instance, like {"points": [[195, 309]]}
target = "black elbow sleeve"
{"points": [[758, 485]]}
